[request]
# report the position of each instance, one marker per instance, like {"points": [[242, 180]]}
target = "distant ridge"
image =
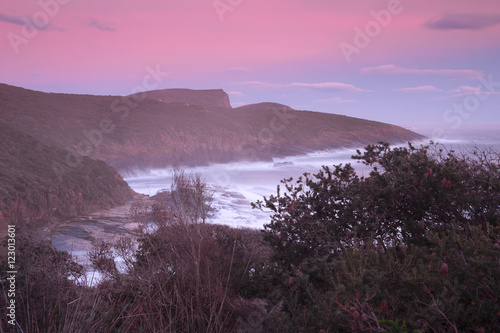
{"points": [[182, 127]]}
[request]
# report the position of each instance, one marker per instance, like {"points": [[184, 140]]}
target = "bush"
{"points": [[410, 190], [186, 275], [414, 246], [44, 285]]}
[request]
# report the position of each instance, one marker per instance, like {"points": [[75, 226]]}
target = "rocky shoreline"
{"points": [[77, 235]]}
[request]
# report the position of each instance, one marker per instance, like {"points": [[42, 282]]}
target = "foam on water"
{"points": [[236, 185]]}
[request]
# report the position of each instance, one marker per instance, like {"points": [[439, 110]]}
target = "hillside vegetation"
{"points": [[36, 183], [182, 126]]}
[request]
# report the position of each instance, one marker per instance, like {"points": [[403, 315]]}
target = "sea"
{"points": [[237, 185]]}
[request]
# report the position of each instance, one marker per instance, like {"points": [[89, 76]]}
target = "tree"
{"points": [[191, 196]]}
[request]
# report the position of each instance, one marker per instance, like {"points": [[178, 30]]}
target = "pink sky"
{"points": [[104, 47]]}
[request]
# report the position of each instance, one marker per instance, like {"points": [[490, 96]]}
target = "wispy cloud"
{"points": [[419, 89], [28, 21], [12, 19], [464, 91], [260, 84], [464, 21], [235, 93], [329, 86], [336, 100], [332, 86], [393, 69], [95, 23]]}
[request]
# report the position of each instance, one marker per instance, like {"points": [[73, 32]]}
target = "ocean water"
{"points": [[236, 185]]}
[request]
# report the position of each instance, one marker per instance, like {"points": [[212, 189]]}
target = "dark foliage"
{"points": [[410, 190], [413, 246], [44, 286]]}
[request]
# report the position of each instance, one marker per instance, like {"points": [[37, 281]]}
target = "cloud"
{"points": [[332, 86], [94, 23], [393, 69], [28, 21], [464, 91], [419, 89], [235, 93], [336, 100], [11, 19], [260, 84], [464, 21]]}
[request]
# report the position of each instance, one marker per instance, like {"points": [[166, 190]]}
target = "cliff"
{"points": [[205, 98]]}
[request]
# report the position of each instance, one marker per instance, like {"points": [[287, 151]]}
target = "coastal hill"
{"points": [[181, 127], [36, 184]]}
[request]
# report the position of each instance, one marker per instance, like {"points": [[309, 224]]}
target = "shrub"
{"points": [[410, 190], [186, 275], [44, 285], [414, 243]]}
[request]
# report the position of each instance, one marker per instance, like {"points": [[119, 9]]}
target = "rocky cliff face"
{"points": [[36, 184], [206, 98]]}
